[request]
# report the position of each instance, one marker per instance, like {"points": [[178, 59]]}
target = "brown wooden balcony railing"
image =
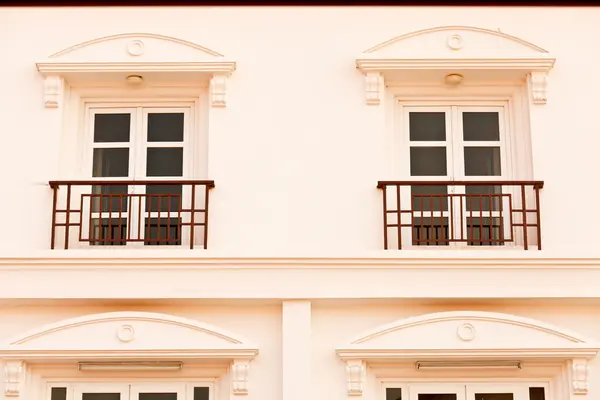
{"points": [[476, 213], [126, 212]]}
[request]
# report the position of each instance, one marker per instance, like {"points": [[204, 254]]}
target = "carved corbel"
{"points": [[580, 376], [373, 88], [53, 91], [13, 377], [218, 90], [356, 372], [239, 377], [538, 82]]}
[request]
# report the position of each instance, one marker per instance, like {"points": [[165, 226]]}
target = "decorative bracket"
{"points": [[239, 377], [538, 82], [580, 376], [356, 377], [53, 91], [373, 88], [218, 90], [13, 377]]}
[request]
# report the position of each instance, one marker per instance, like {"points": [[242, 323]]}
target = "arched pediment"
{"points": [[157, 58], [131, 333], [468, 334], [477, 53]]}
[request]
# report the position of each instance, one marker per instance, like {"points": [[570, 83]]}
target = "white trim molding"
{"points": [[97, 338], [490, 55], [157, 58], [500, 338]]}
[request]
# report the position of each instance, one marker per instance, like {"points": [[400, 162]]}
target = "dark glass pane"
{"points": [[111, 162], [111, 128], [479, 198], [483, 126], [164, 231], [484, 231], [109, 203], [482, 161], [430, 231], [200, 393], [427, 126], [428, 161], [429, 198], [165, 127], [494, 396], [163, 197], [164, 161], [391, 394], [441, 396], [158, 396], [59, 393], [101, 396], [108, 232], [535, 393]]}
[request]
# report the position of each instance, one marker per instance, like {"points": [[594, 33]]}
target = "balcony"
{"points": [[130, 213], [461, 213]]}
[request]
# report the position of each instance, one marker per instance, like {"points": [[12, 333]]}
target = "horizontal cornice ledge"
{"points": [[441, 354], [57, 68], [107, 354], [390, 64]]}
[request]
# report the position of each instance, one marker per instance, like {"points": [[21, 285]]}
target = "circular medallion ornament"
{"points": [[135, 47], [126, 333], [455, 42], [466, 332]]}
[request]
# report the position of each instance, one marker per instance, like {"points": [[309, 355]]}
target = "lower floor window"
{"points": [[475, 391], [134, 391]]}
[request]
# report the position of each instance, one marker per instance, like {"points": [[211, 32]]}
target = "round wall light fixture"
{"points": [[134, 79], [453, 79]]}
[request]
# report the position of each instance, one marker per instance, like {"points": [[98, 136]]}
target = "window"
{"points": [[136, 144], [458, 142], [473, 391], [137, 391]]}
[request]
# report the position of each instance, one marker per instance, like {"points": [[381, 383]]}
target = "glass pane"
{"points": [[101, 396], [391, 394], [163, 197], [111, 162], [427, 126], [430, 231], [108, 232], [484, 231], [164, 231], [428, 161], [58, 393], [158, 396], [164, 161], [494, 396], [429, 198], [111, 128], [165, 127], [112, 201], [535, 393], [483, 126], [441, 396], [200, 393], [482, 161], [479, 198]]}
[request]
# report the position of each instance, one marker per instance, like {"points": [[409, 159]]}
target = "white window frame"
{"points": [[129, 387], [512, 96], [465, 388]]}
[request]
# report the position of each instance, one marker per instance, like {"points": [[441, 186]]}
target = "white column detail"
{"points": [[53, 91], [218, 90], [580, 375], [14, 371], [356, 372], [296, 350], [538, 82], [373, 88], [239, 377]]}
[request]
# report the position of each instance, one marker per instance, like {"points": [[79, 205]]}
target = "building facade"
{"points": [[282, 203]]}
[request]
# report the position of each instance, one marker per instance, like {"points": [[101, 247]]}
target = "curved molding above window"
{"points": [[158, 59], [478, 54], [467, 335], [127, 336]]}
